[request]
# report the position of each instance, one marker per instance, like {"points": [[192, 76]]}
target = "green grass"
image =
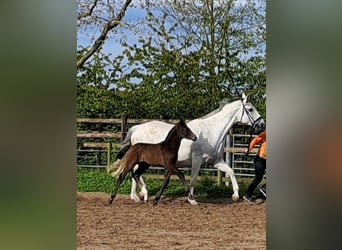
{"points": [[97, 180]]}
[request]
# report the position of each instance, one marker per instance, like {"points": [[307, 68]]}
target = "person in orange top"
{"points": [[259, 164]]}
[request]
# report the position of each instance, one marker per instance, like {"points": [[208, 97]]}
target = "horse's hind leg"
{"points": [[115, 190], [134, 195], [137, 179], [118, 183], [165, 183]]}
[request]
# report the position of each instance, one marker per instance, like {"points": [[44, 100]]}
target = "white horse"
{"points": [[210, 130]]}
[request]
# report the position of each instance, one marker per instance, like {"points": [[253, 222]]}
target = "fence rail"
{"points": [[98, 154]]}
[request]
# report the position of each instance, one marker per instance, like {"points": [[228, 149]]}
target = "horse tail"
{"points": [[126, 143], [111, 167], [120, 168]]}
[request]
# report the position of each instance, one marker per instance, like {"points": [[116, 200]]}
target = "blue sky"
{"points": [[111, 46]]}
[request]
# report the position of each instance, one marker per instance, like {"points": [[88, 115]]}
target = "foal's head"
{"points": [[183, 131]]}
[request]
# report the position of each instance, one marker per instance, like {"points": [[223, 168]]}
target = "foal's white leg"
{"points": [[144, 191], [221, 165], [134, 195]]}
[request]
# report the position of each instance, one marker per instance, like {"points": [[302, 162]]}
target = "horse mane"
{"points": [[170, 133], [222, 103]]}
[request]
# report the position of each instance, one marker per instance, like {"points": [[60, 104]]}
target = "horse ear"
{"points": [[182, 121], [244, 98]]}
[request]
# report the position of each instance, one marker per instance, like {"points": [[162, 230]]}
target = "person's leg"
{"points": [[260, 166], [263, 189]]}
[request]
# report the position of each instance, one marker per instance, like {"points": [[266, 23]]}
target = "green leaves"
{"points": [[187, 58]]}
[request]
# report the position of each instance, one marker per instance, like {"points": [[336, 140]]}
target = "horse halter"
{"points": [[253, 122]]}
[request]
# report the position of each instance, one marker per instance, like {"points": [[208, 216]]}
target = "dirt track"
{"points": [[172, 224]]}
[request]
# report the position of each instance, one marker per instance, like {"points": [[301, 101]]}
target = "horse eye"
{"points": [[250, 109]]}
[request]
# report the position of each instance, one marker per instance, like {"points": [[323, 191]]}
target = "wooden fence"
{"points": [[110, 141]]}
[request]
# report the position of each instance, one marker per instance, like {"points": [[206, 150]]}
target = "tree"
{"points": [[192, 54], [98, 15], [189, 56]]}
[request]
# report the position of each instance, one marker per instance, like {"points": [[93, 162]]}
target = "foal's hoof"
{"points": [[155, 202]]}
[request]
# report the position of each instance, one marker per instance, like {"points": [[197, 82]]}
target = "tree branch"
{"points": [[89, 12], [100, 40]]}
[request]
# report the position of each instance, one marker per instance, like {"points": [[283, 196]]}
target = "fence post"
{"points": [[123, 126], [109, 153], [219, 177]]}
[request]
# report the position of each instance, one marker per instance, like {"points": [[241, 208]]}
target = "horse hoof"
{"points": [[141, 195], [192, 202], [235, 198], [136, 198]]}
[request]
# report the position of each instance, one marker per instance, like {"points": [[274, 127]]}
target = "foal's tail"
{"points": [[121, 167], [126, 144], [119, 160], [112, 167]]}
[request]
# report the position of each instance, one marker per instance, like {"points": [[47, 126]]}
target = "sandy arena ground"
{"points": [[172, 224]]}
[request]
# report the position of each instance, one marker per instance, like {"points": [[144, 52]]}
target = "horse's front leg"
{"points": [[181, 177], [165, 183], [195, 168], [221, 165]]}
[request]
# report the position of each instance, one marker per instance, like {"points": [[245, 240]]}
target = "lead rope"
{"points": [[249, 140]]}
